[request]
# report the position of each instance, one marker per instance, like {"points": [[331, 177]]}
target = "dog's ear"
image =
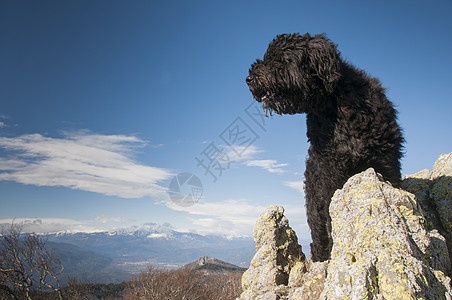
{"points": [[324, 60]]}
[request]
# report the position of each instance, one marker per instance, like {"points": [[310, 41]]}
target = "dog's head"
{"points": [[297, 73]]}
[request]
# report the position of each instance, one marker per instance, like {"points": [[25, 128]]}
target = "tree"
{"points": [[26, 264]]}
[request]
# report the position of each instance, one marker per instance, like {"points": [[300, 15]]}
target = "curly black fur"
{"points": [[351, 125]]}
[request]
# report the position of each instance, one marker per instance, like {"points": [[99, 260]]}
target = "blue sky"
{"points": [[102, 103]]}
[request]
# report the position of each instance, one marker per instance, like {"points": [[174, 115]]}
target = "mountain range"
{"points": [[117, 255]]}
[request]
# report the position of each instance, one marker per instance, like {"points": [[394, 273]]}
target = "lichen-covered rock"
{"points": [[296, 274], [307, 285], [278, 293], [441, 192], [381, 249], [388, 243], [420, 184], [277, 251], [434, 193]]}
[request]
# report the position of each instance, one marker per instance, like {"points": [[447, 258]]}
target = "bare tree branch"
{"points": [[26, 264]]}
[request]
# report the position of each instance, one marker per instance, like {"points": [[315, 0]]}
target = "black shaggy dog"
{"points": [[351, 125]]}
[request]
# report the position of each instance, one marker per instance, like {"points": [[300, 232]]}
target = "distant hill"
{"points": [[86, 265], [212, 264]]}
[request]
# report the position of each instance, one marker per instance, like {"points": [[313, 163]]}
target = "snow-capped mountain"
{"points": [[133, 249]]}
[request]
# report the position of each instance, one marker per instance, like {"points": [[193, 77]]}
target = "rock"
{"points": [[388, 243], [381, 248], [420, 185], [311, 283], [434, 193], [277, 251]]}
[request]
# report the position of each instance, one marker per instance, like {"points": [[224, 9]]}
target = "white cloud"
{"points": [[236, 218], [54, 225], [50, 225], [296, 185], [2, 124], [270, 165], [103, 219], [239, 153], [90, 162], [229, 218]]}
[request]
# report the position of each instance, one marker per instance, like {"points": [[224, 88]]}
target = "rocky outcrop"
{"points": [[388, 243], [381, 248], [277, 252], [433, 190]]}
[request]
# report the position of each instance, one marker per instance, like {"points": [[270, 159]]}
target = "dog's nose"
{"points": [[249, 79]]}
